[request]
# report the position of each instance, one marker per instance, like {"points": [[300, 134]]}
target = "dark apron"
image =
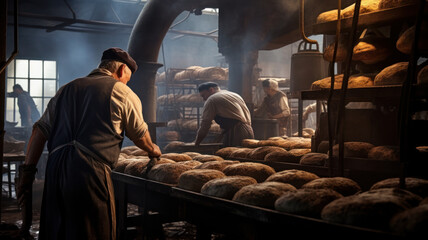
{"points": [[233, 131], [78, 197]]}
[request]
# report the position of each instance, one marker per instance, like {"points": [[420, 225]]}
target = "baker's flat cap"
{"points": [[120, 55]]}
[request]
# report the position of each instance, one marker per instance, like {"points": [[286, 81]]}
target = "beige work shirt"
{"points": [[125, 107]]}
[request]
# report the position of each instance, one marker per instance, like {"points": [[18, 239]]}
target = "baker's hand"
{"points": [[156, 152], [27, 174]]}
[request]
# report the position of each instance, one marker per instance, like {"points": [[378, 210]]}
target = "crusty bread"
{"points": [[281, 157], [121, 165], [385, 153], [371, 209], [136, 167], [167, 173], [423, 75], [226, 187], [366, 6], [259, 153], [417, 186], [354, 149], [207, 158], [323, 147], [328, 16], [405, 41], [392, 75], [240, 153], [341, 51], [354, 81], [178, 157], [262, 194], [194, 179], [225, 152], [173, 146], [192, 154], [295, 177], [411, 223], [258, 171], [218, 165], [190, 163], [342, 185], [129, 149], [306, 202], [384, 4], [250, 143], [165, 160], [372, 49], [317, 159]]}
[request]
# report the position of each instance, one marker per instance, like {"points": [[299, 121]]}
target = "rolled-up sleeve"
{"points": [[127, 112]]}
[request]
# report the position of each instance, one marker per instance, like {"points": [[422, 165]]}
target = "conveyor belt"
{"points": [[215, 215]]}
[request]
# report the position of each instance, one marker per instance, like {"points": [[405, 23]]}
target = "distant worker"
{"points": [[27, 107], [227, 109], [274, 105]]}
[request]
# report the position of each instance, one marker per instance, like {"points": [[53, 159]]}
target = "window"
{"points": [[37, 77]]}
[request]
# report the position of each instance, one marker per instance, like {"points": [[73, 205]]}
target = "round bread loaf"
{"points": [[262, 194], [129, 149], [405, 41], [328, 16], [369, 209], [164, 160], [392, 75], [192, 154], [316, 159], [306, 202], [281, 157], [342, 185], [250, 143], [366, 6], [207, 158], [225, 152], [173, 146], [218, 165], [226, 187], [354, 149], [190, 163], [194, 179], [178, 157], [241, 153], [417, 186], [258, 171], [295, 177], [409, 198], [269, 142], [295, 142], [372, 49], [136, 167], [299, 152], [341, 51], [423, 75], [411, 223], [323, 147], [354, 81], [121, 165], [167, 173], [385, 153], [259, 153]]}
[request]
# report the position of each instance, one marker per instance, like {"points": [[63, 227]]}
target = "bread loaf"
{"points": [[167, 173], [423, 75], [121, 165], [328, 16], [411, 223], [306, 202], [225, 152], [384, 4], [385, 153], [370, 209], [250, 143], [190, 163], [354, 149], [354, 81], [258, 171], [342, 185], [218, 165], [262, 194], [341, 51], [192, 154], [415, 185], [173, 146], [136, 167], [405, 41], [241, 153], [207, 158], [226, 187], [194, 179], [186, 74], [295, 177], [372, 49], [178, 157], [393, 75], [366, 6], [316, 159], [281, 157], [259, 153]]}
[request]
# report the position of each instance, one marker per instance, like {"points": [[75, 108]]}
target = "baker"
{"points": [[227, 109], [274, 105], [84, 127]]}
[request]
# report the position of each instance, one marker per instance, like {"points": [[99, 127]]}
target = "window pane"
{"points": [[36, 69], [39, 102], [36, 88], [9, 109], [10, 83], [11, 69], [17, 115], [23, 83], [22, 68], [50, 88], [49, 69]]}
